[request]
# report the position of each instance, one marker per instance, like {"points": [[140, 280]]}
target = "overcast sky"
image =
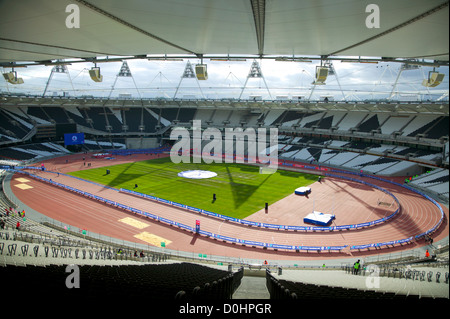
{"points": [[352, 82]]}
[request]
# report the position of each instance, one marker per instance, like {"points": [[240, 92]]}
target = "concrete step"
{"points": [[252, 287]]}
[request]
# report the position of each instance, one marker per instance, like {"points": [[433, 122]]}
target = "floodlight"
{"points": [[434, 79], [12, 78], [321, 75], [95, 74], [201, 72]]}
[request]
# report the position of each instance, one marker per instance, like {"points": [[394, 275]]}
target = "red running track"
{"points": [[416, 216]]}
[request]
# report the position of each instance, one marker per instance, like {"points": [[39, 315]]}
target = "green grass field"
{"points": [[240, 189]]}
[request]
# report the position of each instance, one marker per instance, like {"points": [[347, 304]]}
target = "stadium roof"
{"points": [[36, 31]]}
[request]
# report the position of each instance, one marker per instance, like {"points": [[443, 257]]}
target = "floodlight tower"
{"points": [[188, 74], [59, 68], [323, 71], [255, 72], [124, 72], [403, 67]]}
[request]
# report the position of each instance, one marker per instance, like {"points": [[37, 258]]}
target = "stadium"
{"points": [[197, 151]]}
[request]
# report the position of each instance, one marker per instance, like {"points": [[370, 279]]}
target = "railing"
{"points": [[399, 272], [287, 247], [242, 241]]}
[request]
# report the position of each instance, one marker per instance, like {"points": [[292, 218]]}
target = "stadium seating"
{"points": [[128, 282], [436, 181], [13, 127], [17, 123], [221, 285], [32, 151], [434, 177], [34, 259], [337, 289]]}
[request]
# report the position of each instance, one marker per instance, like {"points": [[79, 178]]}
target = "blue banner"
{"points": [[73, 138]]}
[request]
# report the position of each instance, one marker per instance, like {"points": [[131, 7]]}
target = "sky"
{"points": [[226, 80]]}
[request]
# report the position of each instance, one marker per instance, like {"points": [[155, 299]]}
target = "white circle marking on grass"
{"points": [[197, 174]]}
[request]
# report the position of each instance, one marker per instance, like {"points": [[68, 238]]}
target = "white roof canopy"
{"points": [[36, 31]]}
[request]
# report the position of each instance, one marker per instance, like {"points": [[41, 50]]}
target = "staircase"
{"points": [[253, 285]]}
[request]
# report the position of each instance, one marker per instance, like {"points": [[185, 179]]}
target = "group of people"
{"points": [[12, 212], [120, 251], [357, 264], [141, 254]]}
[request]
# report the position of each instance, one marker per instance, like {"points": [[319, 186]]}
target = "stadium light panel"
{"points": [[95, 75], [12, 78], [434, 79]]}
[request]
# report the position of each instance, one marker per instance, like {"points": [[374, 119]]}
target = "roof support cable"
{"points": [[259, 15], [131, 26]]}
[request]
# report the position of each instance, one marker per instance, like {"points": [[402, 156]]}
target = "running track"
{"points": [[416, 216]]}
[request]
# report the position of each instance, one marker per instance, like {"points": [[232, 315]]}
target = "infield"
{"points": [[240, 189]]}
